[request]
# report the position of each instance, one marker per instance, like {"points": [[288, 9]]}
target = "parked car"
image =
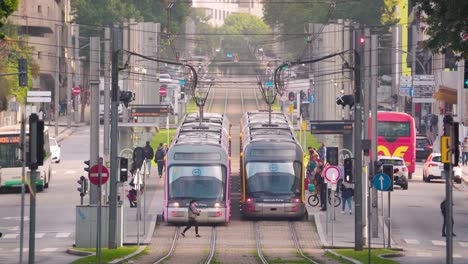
{"points": [[54, 150], [433, 168], [400, 171], [423, 148]]}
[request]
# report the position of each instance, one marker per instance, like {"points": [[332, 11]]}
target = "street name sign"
{"points": [[39, 96], [381, 182]]}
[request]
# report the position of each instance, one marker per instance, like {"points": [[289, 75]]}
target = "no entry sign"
{"points": [[94, 174]]}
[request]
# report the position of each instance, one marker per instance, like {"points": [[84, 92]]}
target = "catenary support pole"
{"points": [[69, 71], [107, 66], [57, 77], [23, 176], [94, 124], [32, 194], [112, 243], [373, 136]]}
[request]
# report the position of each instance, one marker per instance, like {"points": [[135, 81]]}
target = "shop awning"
{"points": [[446, 94]]}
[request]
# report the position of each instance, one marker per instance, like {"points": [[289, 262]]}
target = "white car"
{"points": [[433, 168], [400, 171], [54, 150]]}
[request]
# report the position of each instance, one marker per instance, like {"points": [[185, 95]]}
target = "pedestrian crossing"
{"points": [[39, 235], [438, 243], [25, 250]]}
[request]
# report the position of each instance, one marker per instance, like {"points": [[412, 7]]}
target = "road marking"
{"points": [[411, 241], [70, 172], [10, 235], [463, 244], [423, 254], [438, 242], [54, 172], [40, 235], [48, 250], [62, 235], [18, 249], [457, 256]]}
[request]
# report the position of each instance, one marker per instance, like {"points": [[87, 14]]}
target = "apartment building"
{"points": [[217, 10], [40, 20]]}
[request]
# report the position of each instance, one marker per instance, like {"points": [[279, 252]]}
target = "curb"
{"points": [[344, 257], [120, 260], [79, 253]]}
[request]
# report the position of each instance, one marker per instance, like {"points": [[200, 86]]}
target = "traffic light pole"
{"points": [[94, 124], [449, 131], [358, 226], [32, 192]]}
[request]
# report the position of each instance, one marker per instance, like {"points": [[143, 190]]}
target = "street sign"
{"points": [[229, 55], [39, 93], [76, 90], [182, 82], [162, 91], [445, 149], [269, 84], [94, 174], [332, 174], [381, 182], [38, 96]]}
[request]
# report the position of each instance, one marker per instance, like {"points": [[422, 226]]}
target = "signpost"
{"points": [[332, 174], [94, 174]]}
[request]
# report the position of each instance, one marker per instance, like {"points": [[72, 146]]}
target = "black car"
{"points": [[423, 148]]}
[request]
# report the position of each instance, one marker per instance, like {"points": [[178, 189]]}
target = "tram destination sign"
{"points": [[149, 110], [331, 127]]}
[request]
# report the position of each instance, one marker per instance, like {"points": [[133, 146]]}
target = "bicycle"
{"points": [[314, 199]]}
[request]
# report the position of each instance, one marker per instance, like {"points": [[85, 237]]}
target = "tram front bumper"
{"points": [[207, 215], [273, 210]]}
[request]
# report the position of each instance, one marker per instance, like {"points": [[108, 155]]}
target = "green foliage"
{"points": [[161, 137], [292, 17], [241, 31], [362, 256], [6, 8], [447, 24], [13, 47]]}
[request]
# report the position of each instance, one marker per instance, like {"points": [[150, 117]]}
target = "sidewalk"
{"points": [[338, 231]]}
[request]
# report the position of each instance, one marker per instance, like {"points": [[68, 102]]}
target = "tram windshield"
{"points": [[274, 177], [201, 182]]}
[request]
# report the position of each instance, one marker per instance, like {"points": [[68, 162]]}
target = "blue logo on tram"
{"points": [[274, 167], [196, 172]]}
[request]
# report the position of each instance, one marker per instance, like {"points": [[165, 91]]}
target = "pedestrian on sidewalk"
{"points": [[322, 152], [346, 195], [149, 155], [465, 151], [443, 209], [159, 158], [132, 194], [193, 212]]}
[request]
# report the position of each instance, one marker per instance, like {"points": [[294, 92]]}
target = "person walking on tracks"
{"points": [[159, 158], [193, 212]]}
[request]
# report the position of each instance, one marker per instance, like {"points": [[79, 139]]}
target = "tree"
{"points": [[447, 24], [6, 8], [291, 17]]}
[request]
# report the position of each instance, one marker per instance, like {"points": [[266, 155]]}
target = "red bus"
{"points": [[396, 136]]}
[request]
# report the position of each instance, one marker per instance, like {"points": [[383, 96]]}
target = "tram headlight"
{"points": [[297, 200], [249, 200], [217, 205], [176, 204]]}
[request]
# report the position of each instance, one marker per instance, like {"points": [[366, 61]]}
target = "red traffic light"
{"points": [[362, 40], [291, 96]]}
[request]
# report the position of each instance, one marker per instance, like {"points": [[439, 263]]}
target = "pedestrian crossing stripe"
{"points": [[40, 235], [10, 235], [411, 241], [70, 172], [18, 249], [463, 244], [438, 242], [63, 235], [48, 250], [423, 254]]}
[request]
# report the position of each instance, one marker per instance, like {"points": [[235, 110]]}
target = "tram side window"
{"points": [[9, 156]]}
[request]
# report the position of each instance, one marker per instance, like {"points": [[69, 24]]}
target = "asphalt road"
{"points": [[417, 221], [55, 222]]}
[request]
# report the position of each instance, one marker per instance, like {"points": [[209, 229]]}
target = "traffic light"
{"points": [[345, 100], [303, 96], [126, 97], [348, 170], [87, 168], [388, 169], [40, 143], [332, 156], [465, 76], [455, 145], [291, 96], [23, 72], [83, 189], [123, 169]]}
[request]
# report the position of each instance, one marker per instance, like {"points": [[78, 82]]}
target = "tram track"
{"points": [[272, 245]]}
